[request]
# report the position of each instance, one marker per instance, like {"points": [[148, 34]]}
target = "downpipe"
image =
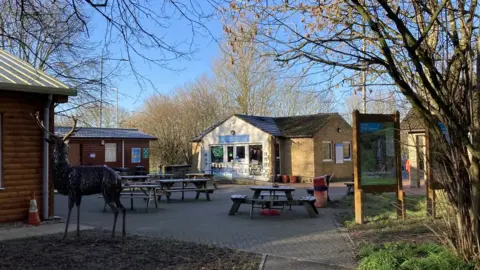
{"points": [[46, 159]]}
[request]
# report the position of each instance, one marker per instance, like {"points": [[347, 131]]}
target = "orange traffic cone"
{"points": [[33, 217]]}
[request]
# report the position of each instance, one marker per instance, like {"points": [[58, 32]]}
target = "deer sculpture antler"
{"points": [[69, 133]]}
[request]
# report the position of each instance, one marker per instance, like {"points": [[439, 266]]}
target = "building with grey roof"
{"points": [[114, 147], [263, 148]]}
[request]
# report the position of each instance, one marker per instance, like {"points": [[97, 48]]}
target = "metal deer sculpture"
{"points": [[76, 181]]}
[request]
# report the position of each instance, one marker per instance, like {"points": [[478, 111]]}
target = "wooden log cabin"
{"points": [[24, 155], [114, 147]]}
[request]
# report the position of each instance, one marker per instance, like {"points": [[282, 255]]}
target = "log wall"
{"points": [[94, 146], [22, 159]]}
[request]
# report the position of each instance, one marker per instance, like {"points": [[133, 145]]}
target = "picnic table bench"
{"points": [[202, 175], [161, 175], [349, 186], [135, 177], [283, 198], [167, 187], [147, 192]]}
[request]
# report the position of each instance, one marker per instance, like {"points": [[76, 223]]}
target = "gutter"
{"points": [[46, 159]]}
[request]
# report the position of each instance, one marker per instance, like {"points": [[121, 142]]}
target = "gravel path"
{"points": [[96, 250]]}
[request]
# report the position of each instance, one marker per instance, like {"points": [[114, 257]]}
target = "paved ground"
{"points": [[46, 229], [291, 235]]}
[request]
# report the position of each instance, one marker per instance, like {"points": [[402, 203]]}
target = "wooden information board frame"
{"points": [[359, 190]]}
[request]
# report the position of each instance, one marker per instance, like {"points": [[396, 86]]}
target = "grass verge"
{"points": [[381, 222], [387, 242], [400, 255]]}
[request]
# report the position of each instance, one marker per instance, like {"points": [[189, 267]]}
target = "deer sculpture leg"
{"points": [[120, 205], [71, 200], [78, 201]]}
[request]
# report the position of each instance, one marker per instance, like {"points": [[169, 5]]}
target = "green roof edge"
{"points": [[38, 89]]}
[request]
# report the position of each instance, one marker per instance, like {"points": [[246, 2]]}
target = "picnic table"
{"points": [[273, 198], [147, 192], [161, 175], [135, 177], [202, 175], [201, 186]]}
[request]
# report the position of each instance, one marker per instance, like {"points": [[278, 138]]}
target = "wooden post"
{"points": [[357, 181], [401, 213], [428, 180]]}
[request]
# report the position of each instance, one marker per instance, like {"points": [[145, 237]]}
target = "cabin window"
{"points": [[327, 151], [110, 152], [347, 151]]}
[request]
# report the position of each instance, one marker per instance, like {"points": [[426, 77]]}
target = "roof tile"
{"points": [[107, 133]]}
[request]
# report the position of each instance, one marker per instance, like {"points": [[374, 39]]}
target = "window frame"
{"points": [[350, 151], [223, 153], [106, 155], [331, 151]]}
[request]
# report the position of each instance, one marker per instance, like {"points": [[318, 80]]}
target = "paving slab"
{"points": [[24, 232], [281, 263], [292, 234]]}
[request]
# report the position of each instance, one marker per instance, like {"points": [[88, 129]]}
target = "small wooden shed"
{"points": [[114, 147], [24, 155]]}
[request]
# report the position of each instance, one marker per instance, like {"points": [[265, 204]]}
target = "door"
{"points": [[74, 154]]}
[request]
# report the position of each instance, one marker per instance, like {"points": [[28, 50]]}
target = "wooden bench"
{"points": [[349, 186], [167, 192], [237, 201], [134, 195], [307, 201]]}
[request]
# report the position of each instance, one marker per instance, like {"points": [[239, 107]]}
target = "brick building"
{"points": [[256, 147], [114, 147]]}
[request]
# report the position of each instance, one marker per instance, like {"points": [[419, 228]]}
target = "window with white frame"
{"points": [[110, 152], [327, 151], [347, 150]]}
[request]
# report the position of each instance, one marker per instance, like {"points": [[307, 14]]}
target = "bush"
{"points": [[399, 255]]}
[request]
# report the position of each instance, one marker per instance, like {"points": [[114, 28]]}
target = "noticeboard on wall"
{"points": [[377, 153], [136, 155], [146, 153]]}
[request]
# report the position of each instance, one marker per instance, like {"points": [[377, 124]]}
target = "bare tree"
{"points": [[89, 116], [246, 81], [175, 120], [426, 48], [56, 36]]}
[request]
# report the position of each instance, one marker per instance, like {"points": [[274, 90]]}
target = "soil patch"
{"points": [[96, 250]]}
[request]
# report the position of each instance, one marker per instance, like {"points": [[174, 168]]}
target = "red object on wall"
{"points": [[293, 179], [320, 190], [285, 178]]}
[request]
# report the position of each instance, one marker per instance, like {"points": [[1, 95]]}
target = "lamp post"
{"points": [[101, 84]]}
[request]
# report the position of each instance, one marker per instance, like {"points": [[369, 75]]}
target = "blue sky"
{"points": [[165, 81], [131, 95]]}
